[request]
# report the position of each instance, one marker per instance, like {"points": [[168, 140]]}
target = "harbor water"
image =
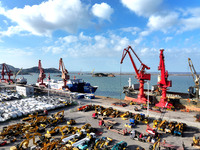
{"points": [[113, 86]]}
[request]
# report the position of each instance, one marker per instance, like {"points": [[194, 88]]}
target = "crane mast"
{"points": [[163, 83], [195, 77], [6, 70], [65, 75], [141, 75], [42, 74]]}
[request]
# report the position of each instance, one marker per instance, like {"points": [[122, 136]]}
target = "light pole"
{"points": [[148, 99]]}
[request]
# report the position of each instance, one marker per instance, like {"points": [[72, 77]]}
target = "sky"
{"points": [[92, 34]]}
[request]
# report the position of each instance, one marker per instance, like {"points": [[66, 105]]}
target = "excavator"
{"points": [[65, 75], [194, 93], [56, 118], [25, 143], [141, 75], [12, 130]]}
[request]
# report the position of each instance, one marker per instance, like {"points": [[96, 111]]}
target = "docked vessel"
{"points": [[73, 85], [177, 99], [21, 80]]}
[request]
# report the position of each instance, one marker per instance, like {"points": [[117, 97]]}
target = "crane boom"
{"points": [[195, 77], [65, 75], [42, 74], [194, 73], [140, 74], [17, 73], [6, 70]]}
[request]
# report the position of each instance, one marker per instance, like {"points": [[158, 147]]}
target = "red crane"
{"points": [[163, 83], [42, 75], [65, 75], [140, 74], [6, 70]]}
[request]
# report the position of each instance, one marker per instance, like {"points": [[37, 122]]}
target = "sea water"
{"points": [[113, 86]]}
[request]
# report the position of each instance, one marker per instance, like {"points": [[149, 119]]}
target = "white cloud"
{"points": [[143, 7], [84, 38], [53, 49], [16, 51], [103, 11], [163, 22], [11, 30], [145, 33], [148, 51], [132, 30], [50, 15], [70, 39], [168, 39], [88, 46]]}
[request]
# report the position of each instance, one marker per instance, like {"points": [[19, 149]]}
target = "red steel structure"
{"points": [[65, 75], [164, 83], [6, 70], [42, 74], [141, 75]]}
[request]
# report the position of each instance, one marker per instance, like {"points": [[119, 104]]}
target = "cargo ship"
{"points": [[73, 85], [179, 100]]}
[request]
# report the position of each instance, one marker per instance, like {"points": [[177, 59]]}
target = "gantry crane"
{"points": [[6, 70], [141, 75], [42, 75], [65, 75], [195, 78], [164, 83]]}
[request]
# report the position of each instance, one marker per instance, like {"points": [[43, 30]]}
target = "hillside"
{"points": [[31, 70]]}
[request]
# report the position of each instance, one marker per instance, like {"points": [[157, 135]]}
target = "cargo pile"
{"points": [[18, 108]]}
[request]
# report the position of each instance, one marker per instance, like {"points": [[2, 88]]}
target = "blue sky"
{"points": [[91, 34]]}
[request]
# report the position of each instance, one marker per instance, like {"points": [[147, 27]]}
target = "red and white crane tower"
{"points": [[65, 75], [141, 75], [42, 75], [6, 70], [164, 83]]}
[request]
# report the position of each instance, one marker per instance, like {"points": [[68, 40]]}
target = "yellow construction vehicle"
{"points": [[196, 141], [125, 115], [102, 143], [87, 127], [56, 118], [162, 125], [155, 146], [24, 144], [12, 130], [139, 117], [71, 122], [115, 113], [38, 120], [107, 112], [51, 145], [52, 131], [30, 117], [170, 127]]}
